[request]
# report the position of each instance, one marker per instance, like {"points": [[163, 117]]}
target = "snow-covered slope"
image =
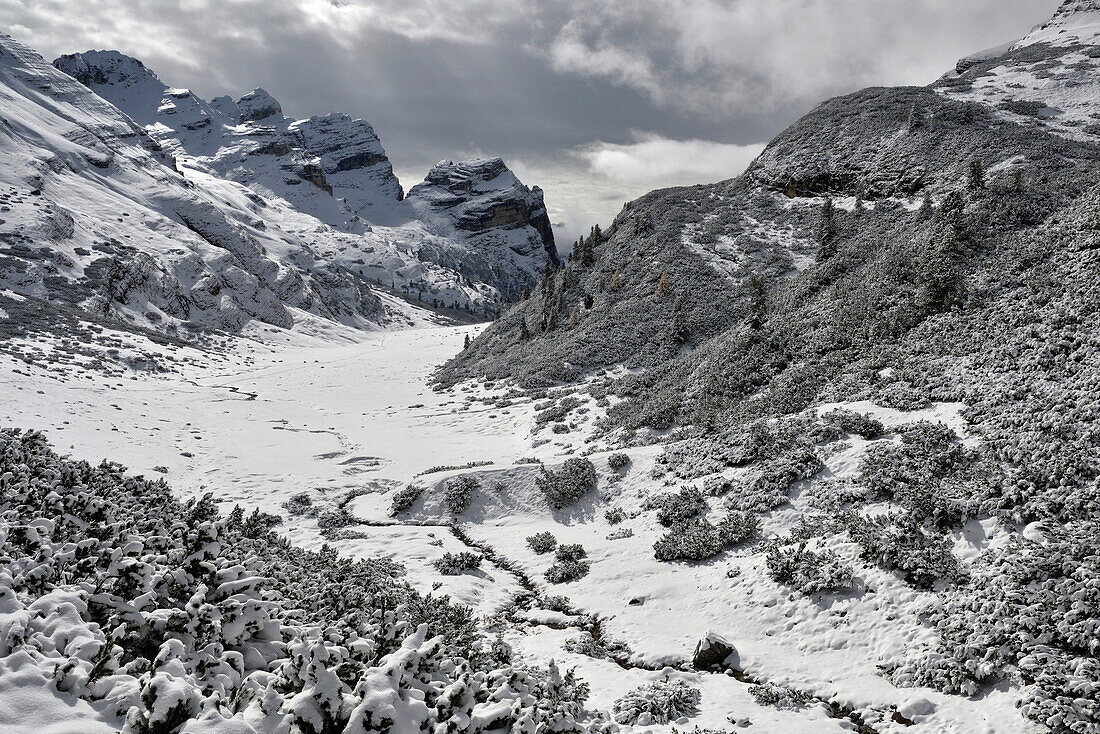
{"points": [[333, 168], [93, 212], [1050, 79]]}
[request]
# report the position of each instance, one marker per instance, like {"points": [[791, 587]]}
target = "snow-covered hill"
{"points": [[1048, 80]]}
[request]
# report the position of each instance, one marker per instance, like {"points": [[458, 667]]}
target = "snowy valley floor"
{"points": [[344, 423]]}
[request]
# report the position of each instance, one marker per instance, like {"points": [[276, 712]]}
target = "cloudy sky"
{"points": [[597, 101]]}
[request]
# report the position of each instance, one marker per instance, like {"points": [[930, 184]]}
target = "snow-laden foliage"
{"points": [[899, 542], [452, 564], [458, 492], [780, 697], [614, 516], [678, 507], [542, 542], [657, 703], [617, 461], [569, 564], [1031, 607], [164, 613], [808, 571], [698, 539], [564, 487], [404, 498]]}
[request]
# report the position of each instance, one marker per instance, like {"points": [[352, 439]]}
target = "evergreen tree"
{"points": [[826, 232], [466, 343], [524, 332], [757, 288], [662, 285], [976, 177]]}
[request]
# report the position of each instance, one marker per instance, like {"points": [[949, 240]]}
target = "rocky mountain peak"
{"points": [[258, 105], [94, 68], [484, 197]]}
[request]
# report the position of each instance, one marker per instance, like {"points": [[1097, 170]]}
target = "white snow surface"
{"points": [[289, 412]]}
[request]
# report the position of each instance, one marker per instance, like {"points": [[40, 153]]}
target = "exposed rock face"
{"points": [[471, 248], [258, 105], [485, 198], [351, 155], [95, 215]]}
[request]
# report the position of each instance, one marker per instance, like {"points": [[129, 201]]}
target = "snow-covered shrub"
{"points": [[848, 421], [903, 396], [697, 540], [900, 542], [176, 614], [333, 521], [807, 571], [568, 484], [678, 507], [299, 504], [614, 516], [569, 564], [780, 697], [557, 603], [458, 492], [556, 412], [452, 564], [929, 472], [543, 542], [619, 534], [618, 461], [1029, 610], [658, 702], [598, 649], [833, 495], [404, 498]]}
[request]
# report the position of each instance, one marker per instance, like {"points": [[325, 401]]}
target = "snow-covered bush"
{"points": [[780, 697], [404, 498], [900, 542], [1029, 611], [452, 564], [614, 516], [599, 649], [848, 421], [176, 614], [929, 472], [569, 564], [807, 571], [697, 540], [618, 461], [619, 534], [299, 504], [542, 542], [658, 702], [568, 484], [678, 507], [458, 492], [903, 396]]}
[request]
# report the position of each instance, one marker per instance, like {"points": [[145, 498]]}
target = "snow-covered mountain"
{"points": [[1048, 80], [334, 169]]}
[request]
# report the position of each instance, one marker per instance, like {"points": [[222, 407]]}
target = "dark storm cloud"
{"points": [[596, 101]]}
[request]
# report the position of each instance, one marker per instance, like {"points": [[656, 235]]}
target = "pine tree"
{"points": [[662, 285], [758, 301], [524, 332], [976, 177], [466, 343], [826, 232]]}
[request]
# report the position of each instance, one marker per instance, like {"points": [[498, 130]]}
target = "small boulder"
{"points": [[714, 652]]}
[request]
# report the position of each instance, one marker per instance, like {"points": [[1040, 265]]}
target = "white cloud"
{"points": [[654, 161], [591, 183], [711, 56]]}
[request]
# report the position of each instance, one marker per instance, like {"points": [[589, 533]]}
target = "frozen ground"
{"points": [[346, 421]]}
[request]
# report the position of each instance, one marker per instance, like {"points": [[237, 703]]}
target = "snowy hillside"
{"points": [[333, 173], [1049, 80]]}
